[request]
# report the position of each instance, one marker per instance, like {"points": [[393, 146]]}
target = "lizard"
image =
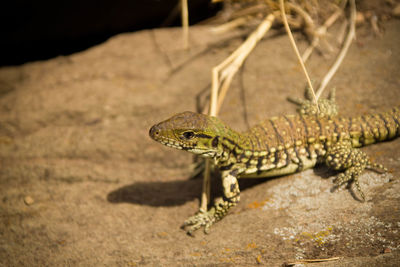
{"points": [[278, 146]]}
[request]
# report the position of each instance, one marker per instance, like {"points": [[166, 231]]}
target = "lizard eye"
{"points": [[188, 135]]}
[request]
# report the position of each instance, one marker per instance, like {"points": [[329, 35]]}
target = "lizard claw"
{"points": [[348, 177], [195, 222]]}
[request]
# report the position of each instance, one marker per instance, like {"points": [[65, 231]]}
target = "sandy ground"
{"points": [[82, 184]]}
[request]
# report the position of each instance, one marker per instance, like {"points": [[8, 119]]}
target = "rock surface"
{"points": [[74, 138]]}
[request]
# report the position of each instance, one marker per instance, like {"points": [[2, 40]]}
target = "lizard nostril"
{"points": [[154, 131]]}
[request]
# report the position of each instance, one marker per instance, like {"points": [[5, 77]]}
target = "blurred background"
{"points": [[37, 30]]}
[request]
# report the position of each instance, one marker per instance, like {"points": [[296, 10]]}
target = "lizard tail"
{"points": [[381, 126]]}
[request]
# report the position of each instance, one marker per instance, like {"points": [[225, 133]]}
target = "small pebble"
{"points": [[387, 250], [29, 200]]}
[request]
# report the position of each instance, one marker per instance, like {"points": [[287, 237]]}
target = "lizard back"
{"points": [[296, 142]]}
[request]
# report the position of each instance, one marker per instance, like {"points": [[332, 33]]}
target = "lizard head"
{"points": [[190, 131]]}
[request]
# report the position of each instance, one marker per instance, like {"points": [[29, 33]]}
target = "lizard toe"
{"points": [[195, 222]]}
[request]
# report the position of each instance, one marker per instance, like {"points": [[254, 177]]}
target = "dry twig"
{"points": [[282, 7], [310, 261], [185, 23], [319, 32], [222, 76], [343, 51]]}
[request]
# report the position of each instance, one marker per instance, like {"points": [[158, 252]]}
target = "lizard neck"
{"points": [[227, 144], [233, 147]]}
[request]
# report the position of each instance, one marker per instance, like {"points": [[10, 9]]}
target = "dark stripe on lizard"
{"points": [[203, 136], [276, 155], [304, 126], [252, 151], [258, 143], [248, 164], [282, 142], [336, 130], [284, 151], [241, 157], [319, 125], [300, 165], [305, 146], [225, 147], [252, 145], [231, 199], [266, 134], [369, 126], [296, 151], [362, 137], [349, 125], [386, 124], [289, 122], [375, 127], [215, 141], [232, 142], [226, 167], [234, 153], [259, 164], [396, 120], [292, 130]]}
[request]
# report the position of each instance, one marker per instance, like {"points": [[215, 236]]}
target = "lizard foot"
{"points": [[200, 219], [221, 207], [352, 161], [350, 176]]}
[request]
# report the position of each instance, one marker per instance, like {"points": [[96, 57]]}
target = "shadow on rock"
{"points": [[157, 193], [324, 172], [175, 193]]}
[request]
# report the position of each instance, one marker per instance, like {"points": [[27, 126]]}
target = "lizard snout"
{"points": [[154, 132]]}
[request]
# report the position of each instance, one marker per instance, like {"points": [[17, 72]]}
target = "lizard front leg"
{"points": [[352, 161], [231, 196]]}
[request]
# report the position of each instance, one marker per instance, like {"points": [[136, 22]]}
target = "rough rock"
{"points": [[74, 137]]}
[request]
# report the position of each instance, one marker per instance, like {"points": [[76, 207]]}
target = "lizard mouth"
{"points": [[155, 134], [190, 148], [171, 143]]}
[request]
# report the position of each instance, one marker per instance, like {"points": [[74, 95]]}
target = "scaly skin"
{"points": [[277, 146]]}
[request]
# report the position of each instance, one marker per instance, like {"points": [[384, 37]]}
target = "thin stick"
{"points": [[311, 260], [185, 23], [214, 92], [205, 193], [282, 6], [344, 50], [224, 89], [374, 24]]}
